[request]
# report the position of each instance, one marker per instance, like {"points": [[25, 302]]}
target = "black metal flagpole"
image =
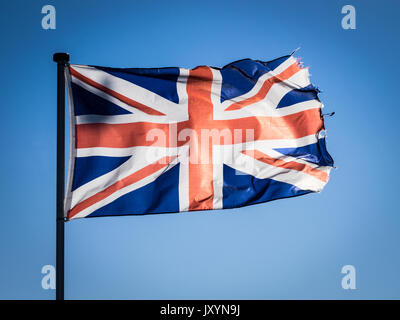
{"points": [[62, 60]]}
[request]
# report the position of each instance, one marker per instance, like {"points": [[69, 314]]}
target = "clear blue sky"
{"points": [[286, 249]]}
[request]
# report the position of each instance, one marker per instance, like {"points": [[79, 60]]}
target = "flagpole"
{"points": [[62, 60]]}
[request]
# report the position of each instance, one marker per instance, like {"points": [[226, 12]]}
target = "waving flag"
{"points": [[172, 139]]}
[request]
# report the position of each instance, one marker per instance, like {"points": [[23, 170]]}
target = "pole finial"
{"points": [[61, 57]]}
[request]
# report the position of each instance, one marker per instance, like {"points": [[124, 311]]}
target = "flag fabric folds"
{"points": [[161, 140]]}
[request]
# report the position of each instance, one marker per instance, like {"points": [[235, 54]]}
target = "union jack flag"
{"points": [[161, 140]]}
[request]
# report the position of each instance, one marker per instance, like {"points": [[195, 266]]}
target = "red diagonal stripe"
{"points": [[292, 165]]}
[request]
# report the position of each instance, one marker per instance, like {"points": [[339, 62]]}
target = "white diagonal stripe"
{"points": [[128, 89], [283, 66]]}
